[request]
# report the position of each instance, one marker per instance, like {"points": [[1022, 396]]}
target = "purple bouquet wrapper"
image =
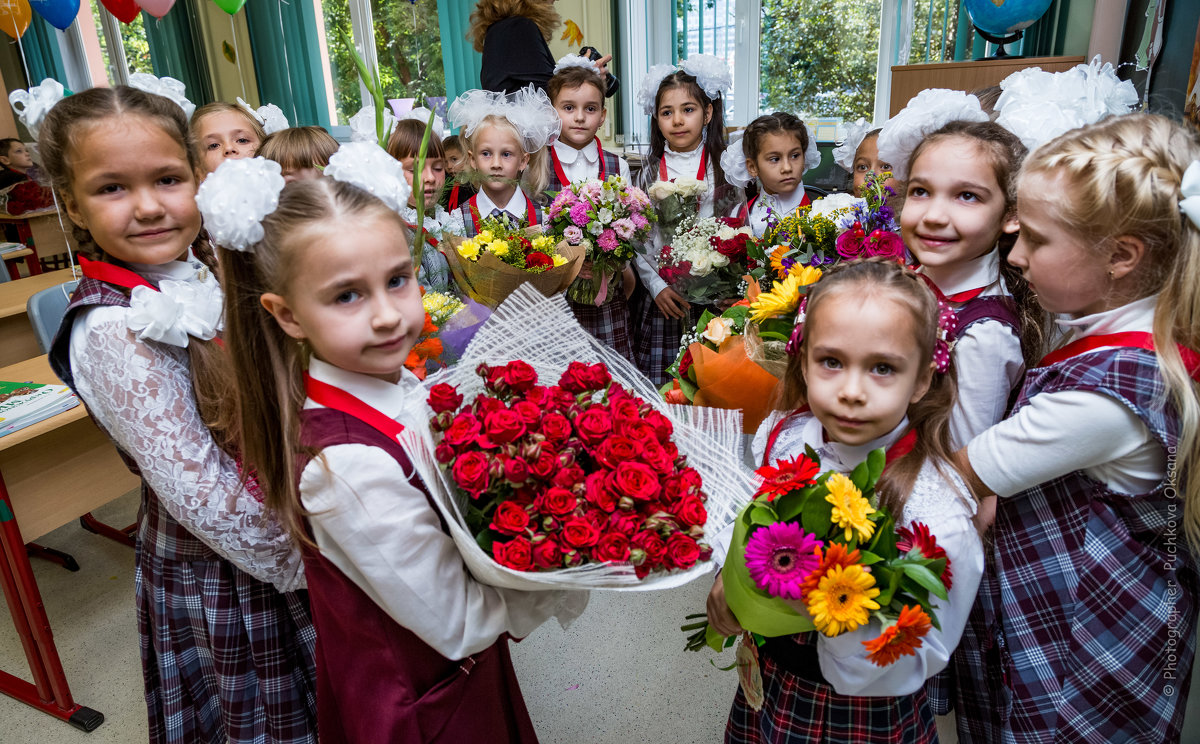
{"points": [[460, 329]]}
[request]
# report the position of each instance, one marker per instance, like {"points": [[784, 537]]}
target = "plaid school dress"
{"points": [[1097, 588], [226, 658]]}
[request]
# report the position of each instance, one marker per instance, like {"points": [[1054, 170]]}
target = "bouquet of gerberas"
{"points": [[813, 552], [502, 257], [707, 259], [611, 219], [425, 355]]}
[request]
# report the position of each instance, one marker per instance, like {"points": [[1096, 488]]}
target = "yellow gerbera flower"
{"points": [[843, 600], [850, 509], [783, 298], [806, 274], [469, 249]]}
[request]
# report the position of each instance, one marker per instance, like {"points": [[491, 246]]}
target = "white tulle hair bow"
{"points": [[812, 153], [574, 60], [733, 161], [270, 116], [362, 124], [176, 311], [36, 102], [421, 114], [1189, 188], [236, 197], [648, 91], [167, 87], [712, 73], [929, 111], [1038, 106], [856, 132], [528, 109], [369, 167]]}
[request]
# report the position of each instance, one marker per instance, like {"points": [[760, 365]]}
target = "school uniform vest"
{"points": [[1098, 588], [470, 214], [612, 167], [378, 681]]}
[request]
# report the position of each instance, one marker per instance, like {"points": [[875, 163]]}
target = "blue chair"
{"points": [[46, 310], [4, 275]]}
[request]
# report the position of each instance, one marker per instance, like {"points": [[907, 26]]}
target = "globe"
{"points": [[1005, 17]]}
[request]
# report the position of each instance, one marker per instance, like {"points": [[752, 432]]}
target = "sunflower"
{"points": [[787, 475], [834, 555], [843, 600], [783, 298], [902, 638], [851, 511]]}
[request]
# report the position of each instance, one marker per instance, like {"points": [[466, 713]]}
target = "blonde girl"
{"points": [[221, 131]]}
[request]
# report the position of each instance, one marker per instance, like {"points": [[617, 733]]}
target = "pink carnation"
{"points": [[624, 227], [579, 214], [573, 235], [608, 240], [638, 220]]}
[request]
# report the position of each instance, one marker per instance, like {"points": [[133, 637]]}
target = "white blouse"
{"points": [[938, 500], [371, 522], [766, 205], [679, 165], [1059, 433], [141, 393], [584, 165]]}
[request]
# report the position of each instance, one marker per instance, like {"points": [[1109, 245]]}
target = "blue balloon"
{"points": [[58, 13], [1004, 17]]}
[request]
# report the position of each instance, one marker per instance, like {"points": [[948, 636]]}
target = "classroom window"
{"points": [[123, 46]]}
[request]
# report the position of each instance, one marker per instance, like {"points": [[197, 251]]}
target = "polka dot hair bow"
{"points": [[793, 344], [947, 325]]}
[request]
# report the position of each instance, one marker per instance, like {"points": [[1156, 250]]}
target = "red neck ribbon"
{"points": [[1132, 339], [530, 212], [562, 174], [700, 174], [339, 400], [453, 198], [113, 274], [957, 297], [432, 241]]}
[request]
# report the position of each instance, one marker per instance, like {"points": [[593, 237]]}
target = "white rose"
{"points": [[660, 190]]}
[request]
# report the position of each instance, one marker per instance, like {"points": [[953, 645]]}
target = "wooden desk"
{"points": [[17, 340], [50, 473], [42, 232]]}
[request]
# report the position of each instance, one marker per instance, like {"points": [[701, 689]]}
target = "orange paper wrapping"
{"points": [[728, 379]]}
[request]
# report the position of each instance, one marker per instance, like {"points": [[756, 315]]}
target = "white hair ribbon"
{"points": [[1190, 188], [36, 102], [236, 197]]}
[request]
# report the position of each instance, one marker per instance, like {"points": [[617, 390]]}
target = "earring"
{"points": [[1110, 275]]}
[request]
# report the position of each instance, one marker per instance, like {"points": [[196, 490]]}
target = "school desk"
{"points": [[17, 342], [51, 473]]}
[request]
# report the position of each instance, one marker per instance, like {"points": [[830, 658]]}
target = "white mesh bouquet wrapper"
{"points": [[812, 154], [1038, 106], [928, 112], [421, 114], [529, 111], [362, 124], [270, 116], [574, 60], [648, 90], [236, 197], [733, 161], [36, 102], [543, 332], [712, 73], [167, 87], [369, 167], [844, 153]]}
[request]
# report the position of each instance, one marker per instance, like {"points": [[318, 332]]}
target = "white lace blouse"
{"points": [[141, 393], [938, 500]]}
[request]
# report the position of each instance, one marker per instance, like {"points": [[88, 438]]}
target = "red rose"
{"points": [[682, 551], [516, 471], [690, 482], [656, 457], [568, 477], [485, 405], [503, 426], [519, 376], [624, 408], [444, 453], [612, 547], [597, 492], [616, 450], [638, 430], [578, 532], [685, 363], [528, 412], [538, 260], [464, 429], [593, 425], [556, 501], [555, 427], [635, 480], [576, 379], [651, 544], [560, 398], [493, 379], [510, 518], [538, 395], [545, 465], [691, 511], [672, 450], [598, 376], [661, 424], [516, 553], [443, 397], [616, 391], [627, 523], [546, 552], [470, 472]]}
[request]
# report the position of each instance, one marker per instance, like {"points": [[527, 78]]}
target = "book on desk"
{"points": [[26, 403]]}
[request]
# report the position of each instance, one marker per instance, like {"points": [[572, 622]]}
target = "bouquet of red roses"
{"points": [[575, 473]]}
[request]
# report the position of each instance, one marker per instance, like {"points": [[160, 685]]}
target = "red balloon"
{"points": [[124, 11]]}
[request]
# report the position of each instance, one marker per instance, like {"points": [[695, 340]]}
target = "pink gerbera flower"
{"points": [[780, 556]]}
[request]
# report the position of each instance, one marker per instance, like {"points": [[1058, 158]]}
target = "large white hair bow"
{"points": [[362, 124], [844, 153], [574, 60], [270, 116], [929, 111], [167, 87], [236, 197], [421, 114], [1190, 189], [812, 153], [36, 102], [648, 90], [369, 167], [711, 73], [733, 161], [528, 109]]}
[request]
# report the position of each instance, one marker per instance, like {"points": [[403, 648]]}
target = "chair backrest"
{"points": [[4, 275], [46, 310]]}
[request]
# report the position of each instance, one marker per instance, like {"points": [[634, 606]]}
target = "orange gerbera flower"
{"points": [[900, 639], [788, 475], [834, 555], [776, 258]]}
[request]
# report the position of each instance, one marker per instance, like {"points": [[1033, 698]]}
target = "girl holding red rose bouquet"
{"points": [[410, 648], [869, 369]]}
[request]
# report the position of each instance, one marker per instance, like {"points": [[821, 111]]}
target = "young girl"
{"points": [[865, 377], [687, 138], [506, 137], [404, 145], [859, 155], [411, 648], [775, 149], [1094, 469], [222, 131], [456, 163], [301, 151], [226, 656]]}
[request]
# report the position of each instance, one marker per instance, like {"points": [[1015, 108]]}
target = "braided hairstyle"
{"points": [[1123, 176], [779, 122]]}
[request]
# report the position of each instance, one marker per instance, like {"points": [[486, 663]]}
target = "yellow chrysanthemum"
{"points": [[542, 242], [783, 298], [843, 600], [469, 249], [851, 510], [777, 260], [558, 260], [498, 248], [485, 236], [805, 274]]}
